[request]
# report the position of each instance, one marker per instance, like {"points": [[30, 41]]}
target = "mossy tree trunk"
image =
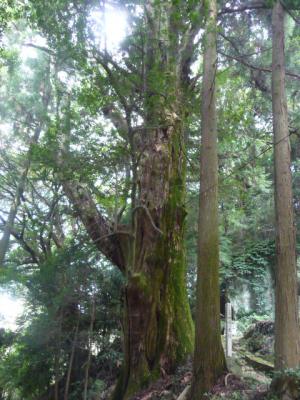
{"points": [[287, 351], [209, 359], [160, 331]]}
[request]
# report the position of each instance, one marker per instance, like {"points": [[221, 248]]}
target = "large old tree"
{"points": [[158, 329]]}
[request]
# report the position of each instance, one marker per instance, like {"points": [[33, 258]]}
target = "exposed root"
{"points": [[226, 379]]}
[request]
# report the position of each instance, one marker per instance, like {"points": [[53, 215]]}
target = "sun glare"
{"points": [[116, 26], [109, 28], [10, 309]]}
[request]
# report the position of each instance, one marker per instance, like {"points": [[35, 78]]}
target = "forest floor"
{"points": [[249, 371], [244, 381]]}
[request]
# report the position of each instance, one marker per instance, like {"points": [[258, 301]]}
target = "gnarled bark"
{"points": [[160, 329]]}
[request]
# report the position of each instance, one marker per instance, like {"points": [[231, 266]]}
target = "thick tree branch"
{"points": [[20, 239], [104, 60], [117, 119], [288, 10], [186, 49], [96, 225], [237, 50], [251, 66], [255, 5], [41, 48]]}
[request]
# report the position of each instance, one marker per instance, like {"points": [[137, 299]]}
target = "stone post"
{"points": [[228, 329]]}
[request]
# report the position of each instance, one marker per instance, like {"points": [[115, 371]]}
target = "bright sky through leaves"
{"points": [[10, 309], [115, 30]]}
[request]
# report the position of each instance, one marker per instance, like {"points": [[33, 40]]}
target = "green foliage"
{"points": [[292, 4], [253, 266], [293, 373], [25, 368], [245, 320], [9, 11], [254, 259], [98, 386], [64, 283]]}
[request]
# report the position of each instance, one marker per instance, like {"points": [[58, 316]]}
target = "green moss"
{"points": [[177, 309], [139, 280], [139, 379]]}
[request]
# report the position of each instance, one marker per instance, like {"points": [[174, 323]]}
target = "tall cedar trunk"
{"points": [[209, 360], [158, 326], [286, 308]]}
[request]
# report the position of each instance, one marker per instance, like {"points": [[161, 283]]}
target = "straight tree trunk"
{"points": [[209, 359], [287, 351], [56, 374], [88, 362], [71, 360]]}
